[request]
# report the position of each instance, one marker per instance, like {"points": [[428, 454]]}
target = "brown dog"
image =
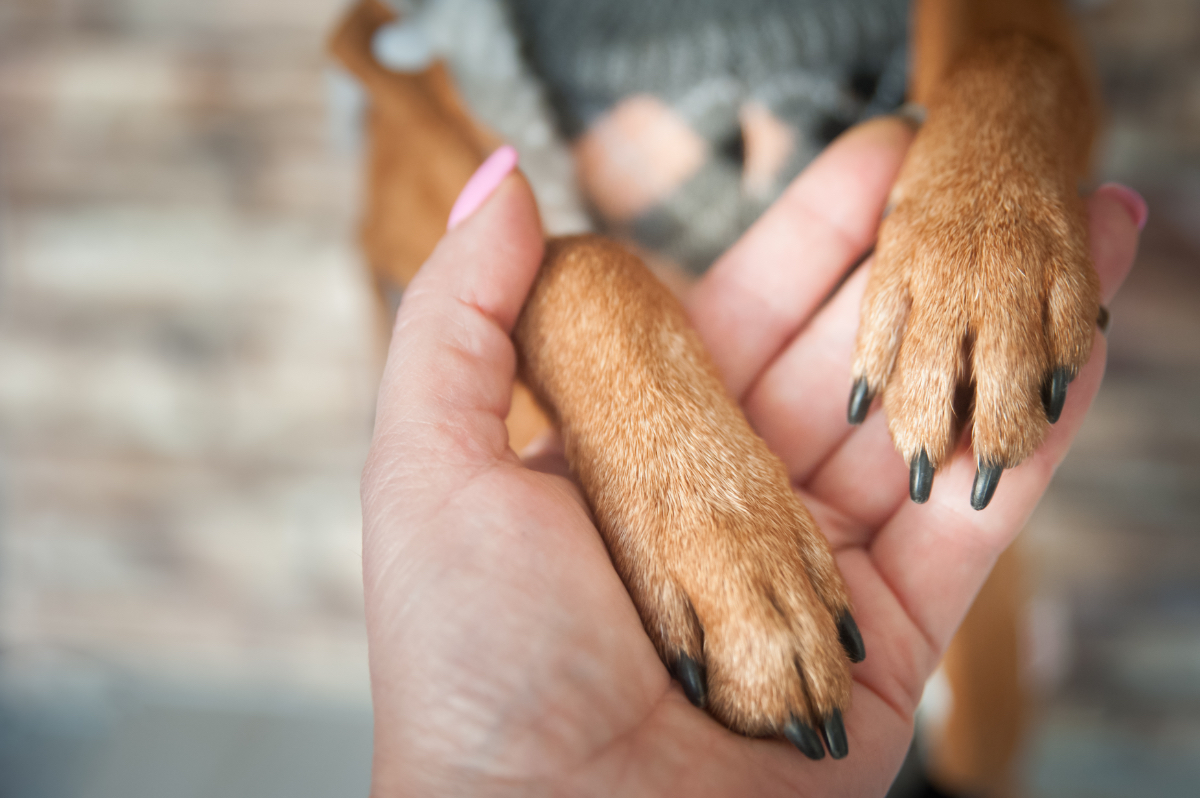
{"points": [[981, 280]]}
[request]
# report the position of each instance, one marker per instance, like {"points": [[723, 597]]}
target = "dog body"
{"points": [[981, 278]]}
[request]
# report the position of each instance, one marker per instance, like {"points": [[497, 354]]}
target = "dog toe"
{"points": [[1000, 317], [777, 663], [919, 397], [752, 619]]}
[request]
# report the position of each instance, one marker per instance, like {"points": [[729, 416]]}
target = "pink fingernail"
{"points": [[1133, 202], [487, 177]]}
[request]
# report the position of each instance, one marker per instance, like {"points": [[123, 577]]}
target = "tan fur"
{"points": [[982, 273], [722, 560], [424, 146], [981, 277]]}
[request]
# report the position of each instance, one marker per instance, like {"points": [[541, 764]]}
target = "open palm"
{"points": [[506, 656]]}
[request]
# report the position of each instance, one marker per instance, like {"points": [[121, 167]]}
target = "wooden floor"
{"points": [[187, 361], [1116, 542]]}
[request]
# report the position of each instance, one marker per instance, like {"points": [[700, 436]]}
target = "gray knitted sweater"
{"points": [[540, 71]]}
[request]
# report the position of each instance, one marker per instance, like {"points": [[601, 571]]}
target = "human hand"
{"points": [[506, 656]]}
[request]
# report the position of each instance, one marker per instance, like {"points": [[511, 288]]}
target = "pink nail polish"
{"points": [[487, 177], [1133, 202]]}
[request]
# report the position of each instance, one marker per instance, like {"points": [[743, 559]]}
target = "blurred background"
{"points": [[188, 351], [187, 361]]}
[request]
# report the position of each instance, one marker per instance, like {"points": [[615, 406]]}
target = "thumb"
{"points": [[448, 379], [490, 254]]}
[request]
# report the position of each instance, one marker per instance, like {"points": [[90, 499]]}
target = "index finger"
{"points": [[764, 289]]}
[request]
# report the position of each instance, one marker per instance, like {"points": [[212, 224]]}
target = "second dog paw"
{"points": [[982, 300]]}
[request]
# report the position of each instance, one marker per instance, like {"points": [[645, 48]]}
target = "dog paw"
{"points": [[982, 300], [734, 583], [737, 589]]}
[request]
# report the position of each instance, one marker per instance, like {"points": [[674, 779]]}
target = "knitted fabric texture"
{"points": [[819, 65]]}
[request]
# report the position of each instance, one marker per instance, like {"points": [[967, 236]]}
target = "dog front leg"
{"points": [[982, 279], [734, 583]]}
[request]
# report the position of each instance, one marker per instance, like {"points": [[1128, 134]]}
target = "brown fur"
{"points": [[722, 560], [981, 276], [424, 147], [982, 273]]}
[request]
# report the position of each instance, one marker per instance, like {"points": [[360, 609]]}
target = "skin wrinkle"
{"points": [[927, 636], [843, 243], [502, 325], [810, 341], [897, 487], [840, 525], [537, 599], [905, 716], [782, 333], [921, 651], [398, 542], [669, 693], [469, 354], [849, 239], [390, 474], [672, 702]]}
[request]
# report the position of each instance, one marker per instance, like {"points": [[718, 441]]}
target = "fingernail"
{"points": [[987, 477], [851, 638], [860, 401], [1054, 394], [691, 676], [804, 737], [920, 478], [487, 177], [1134, 203], [834, 733]]}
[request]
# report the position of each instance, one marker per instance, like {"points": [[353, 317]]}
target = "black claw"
{"points": [[920, 478], [834, 732], [691, 676], [987, 477], [1054, 393], [860, 401], [851, 638], [804, 737], [1102, 320]]}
